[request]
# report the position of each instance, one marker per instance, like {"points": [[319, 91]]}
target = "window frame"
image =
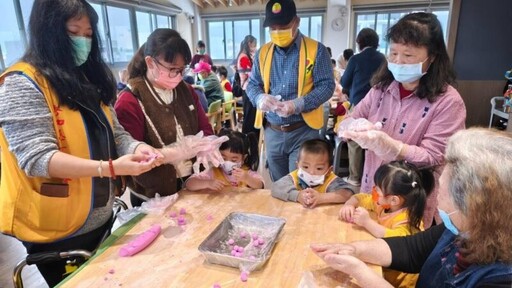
{"points": [[263, 36], [382, 10]]}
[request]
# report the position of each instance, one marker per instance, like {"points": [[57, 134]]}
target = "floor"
{"points": [[11, 252]]}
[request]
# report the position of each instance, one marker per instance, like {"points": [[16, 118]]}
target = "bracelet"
{"points": [[100, 169], [111, 167]]}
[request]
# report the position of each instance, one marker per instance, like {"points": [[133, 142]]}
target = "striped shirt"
{"points": [[284, 74]]}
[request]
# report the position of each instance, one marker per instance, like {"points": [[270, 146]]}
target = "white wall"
{"points": [[337, 40]]}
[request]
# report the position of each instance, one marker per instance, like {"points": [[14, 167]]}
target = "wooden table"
{"points": [[173, 260]]}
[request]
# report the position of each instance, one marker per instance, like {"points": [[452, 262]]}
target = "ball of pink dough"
{"points": [[244, 276], [240, 249], [243, 234], [261, 241], [216, 285], [255, 243], [183, 211], [238, 254], [231, 241], [173, 214], [233, 252], [254, 236]]}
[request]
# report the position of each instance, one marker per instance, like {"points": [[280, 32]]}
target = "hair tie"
{"points": [[414, 184]]}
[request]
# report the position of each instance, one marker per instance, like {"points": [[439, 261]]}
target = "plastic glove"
{"points": [[356, 125], [285, 109], [379, 142], [268, 102], [186, 148], [210, 153]]}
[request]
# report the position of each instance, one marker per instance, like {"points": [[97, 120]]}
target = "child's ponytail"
{"points": [[412, 184]]}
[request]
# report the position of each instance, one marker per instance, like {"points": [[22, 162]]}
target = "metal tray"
{"points": [[217, 249]]}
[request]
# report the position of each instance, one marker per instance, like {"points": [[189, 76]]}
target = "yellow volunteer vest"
{"points": [[218, 174], [25, 212], [321, 188], [307, 57]]}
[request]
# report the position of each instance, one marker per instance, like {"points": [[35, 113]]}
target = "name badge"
{"points": [[191, 107]]}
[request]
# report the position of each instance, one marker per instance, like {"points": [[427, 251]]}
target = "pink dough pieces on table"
{"points": [[183, 211], [182, 221], [142, 241], [244, 276]]}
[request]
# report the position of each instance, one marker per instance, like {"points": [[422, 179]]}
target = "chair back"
{"points": [[214, 115], [228, 103], [214, 106], [497, 108]]}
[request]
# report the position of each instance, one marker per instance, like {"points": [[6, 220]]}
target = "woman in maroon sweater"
{"points": [[157, 107]]}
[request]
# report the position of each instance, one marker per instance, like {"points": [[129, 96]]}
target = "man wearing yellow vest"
{"points": [[291, 78]]}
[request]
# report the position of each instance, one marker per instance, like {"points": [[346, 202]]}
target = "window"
{"points": [[162, 21], [310, 25], [380, 21], [105, 52], [26, 7], [116, 28], [229, 34], [120, 34], [143, 26], [11, 42]]}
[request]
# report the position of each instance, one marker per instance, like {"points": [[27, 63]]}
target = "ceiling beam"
{"points": [[224, 2], [198, 3], [213, 4]]}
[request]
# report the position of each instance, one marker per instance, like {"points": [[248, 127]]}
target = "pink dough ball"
{"points": [[244, 276], [231, 241]]}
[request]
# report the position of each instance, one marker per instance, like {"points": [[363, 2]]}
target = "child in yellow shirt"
{"points": [[241, 159], [398, 199]]}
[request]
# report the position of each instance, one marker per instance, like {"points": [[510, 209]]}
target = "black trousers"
{"points": [[53, 273], [249, 116]]}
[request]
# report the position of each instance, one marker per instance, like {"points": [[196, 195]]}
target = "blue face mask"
{"points": [[447, 221], [406, 73], [82, 48]]}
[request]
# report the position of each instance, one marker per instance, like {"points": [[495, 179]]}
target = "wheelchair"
{"points": [[74, 258]]}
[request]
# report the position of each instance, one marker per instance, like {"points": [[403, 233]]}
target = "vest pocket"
{"points": [[51, 213]]}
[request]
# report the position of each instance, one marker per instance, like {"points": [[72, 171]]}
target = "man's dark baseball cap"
{"points": [[279, 12]]}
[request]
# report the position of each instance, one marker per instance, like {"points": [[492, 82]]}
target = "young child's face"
{"points": [[314, 164], [227, 155]]}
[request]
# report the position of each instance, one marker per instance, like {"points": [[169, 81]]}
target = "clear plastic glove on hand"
{"points": [[268, 102], [210, 153], [379, 142], [186, 148], [285, 109], [356, 125]]}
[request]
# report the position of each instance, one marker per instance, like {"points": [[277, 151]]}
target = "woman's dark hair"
{"points": [[244, 46], [163, 42], [243, 144], [367, 37], [222, 71], [201, 44], [51, 52], [347, 53], [421, 30], [412, 184], [317, 146]]}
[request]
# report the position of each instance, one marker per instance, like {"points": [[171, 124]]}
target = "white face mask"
{"points": [[229, 166], [311, 180], [406, 73]]}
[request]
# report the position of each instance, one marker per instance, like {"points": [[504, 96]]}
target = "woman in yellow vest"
{"points": [[61, 145]]}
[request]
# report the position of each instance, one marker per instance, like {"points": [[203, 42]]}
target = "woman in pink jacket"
{"points": [[413, 98]]}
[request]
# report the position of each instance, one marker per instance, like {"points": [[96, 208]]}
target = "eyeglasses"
{"points": [[173, 72]]}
